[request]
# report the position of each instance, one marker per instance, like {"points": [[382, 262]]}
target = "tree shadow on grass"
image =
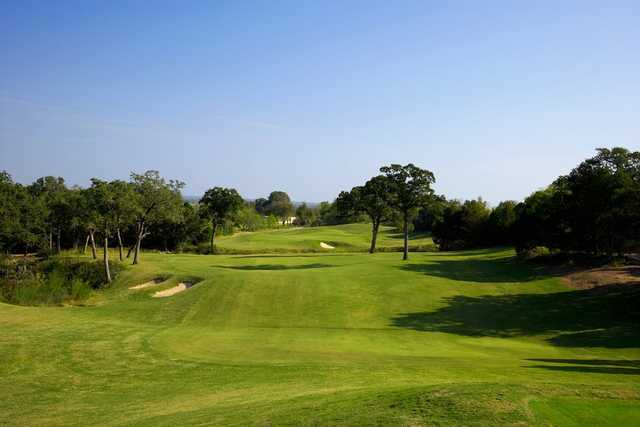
{"points": [[607, 316], [400, 236], [597, 366], [592, 362], [268, 267], [481, 270]]}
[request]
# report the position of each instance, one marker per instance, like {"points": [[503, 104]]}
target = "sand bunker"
{"points": [[323, 245], [153, 282], [172, 291]]}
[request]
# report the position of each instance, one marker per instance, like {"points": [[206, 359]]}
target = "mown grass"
{"points": [[345, 238], [325, 339]]}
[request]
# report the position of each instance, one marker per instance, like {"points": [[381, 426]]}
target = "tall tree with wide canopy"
{"points": [[410, 188], [156, 200], [279, 205], [219, 205], [371, 199]]}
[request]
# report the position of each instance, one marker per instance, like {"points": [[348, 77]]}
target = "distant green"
{"points": [[345, 238]]}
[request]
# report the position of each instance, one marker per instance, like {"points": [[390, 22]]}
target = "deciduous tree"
{"points": [[219, 205], [279, 204], [409, 188], [372, 199], [156, 200]]}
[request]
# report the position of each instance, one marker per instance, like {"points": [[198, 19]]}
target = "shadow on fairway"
{"points": [[592, 362], [481, 270], [412, 236], [596, 366], [607, 316], [266, 267]]}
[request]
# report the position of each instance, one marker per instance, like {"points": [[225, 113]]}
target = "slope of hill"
{"points": [[325, 339]]}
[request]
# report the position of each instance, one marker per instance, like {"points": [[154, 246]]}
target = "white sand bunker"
{"points": [[180, 287], [323, 245], [153, 282]]}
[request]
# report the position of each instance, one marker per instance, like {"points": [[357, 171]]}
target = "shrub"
{"points": [[50, 282], [536, 252], [80, 290], [90, 272]]}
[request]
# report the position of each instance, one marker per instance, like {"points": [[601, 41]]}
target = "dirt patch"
{"points": [[324, 245], [180, 287], [588, 279], [148, 284]]}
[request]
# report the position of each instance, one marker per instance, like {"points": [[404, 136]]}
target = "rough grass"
{"points": [[468, 338]]}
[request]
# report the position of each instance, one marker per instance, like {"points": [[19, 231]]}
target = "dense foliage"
{"points": [[33, 281], [594, 209]]}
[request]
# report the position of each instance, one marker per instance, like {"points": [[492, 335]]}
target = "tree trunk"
{"points": [[107, 273], [51, 240], [214, 228], [135, 243], [86, 243], [119, 243], [405, 256], [93, 244], [58, 244], [374, 236], [136, 254]]}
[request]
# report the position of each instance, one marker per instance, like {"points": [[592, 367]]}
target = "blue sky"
{"points": [[496, 98]]}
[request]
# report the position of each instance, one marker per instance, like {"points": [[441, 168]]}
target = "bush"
{"points": [[39, 290], [80, 290], [52, 281], [537, 252], [90, 272]]}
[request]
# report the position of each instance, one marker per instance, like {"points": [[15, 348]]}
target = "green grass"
{"points": [[583, 413], [467, 338], [345, 238]]}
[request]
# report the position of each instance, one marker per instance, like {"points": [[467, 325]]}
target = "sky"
{"points": [[496, 98]]}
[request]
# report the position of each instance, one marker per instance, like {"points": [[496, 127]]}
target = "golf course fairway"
{"points": [[458, 338]]}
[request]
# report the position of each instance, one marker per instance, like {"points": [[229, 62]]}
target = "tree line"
{"points": [[49, 216], [594, 209]]}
